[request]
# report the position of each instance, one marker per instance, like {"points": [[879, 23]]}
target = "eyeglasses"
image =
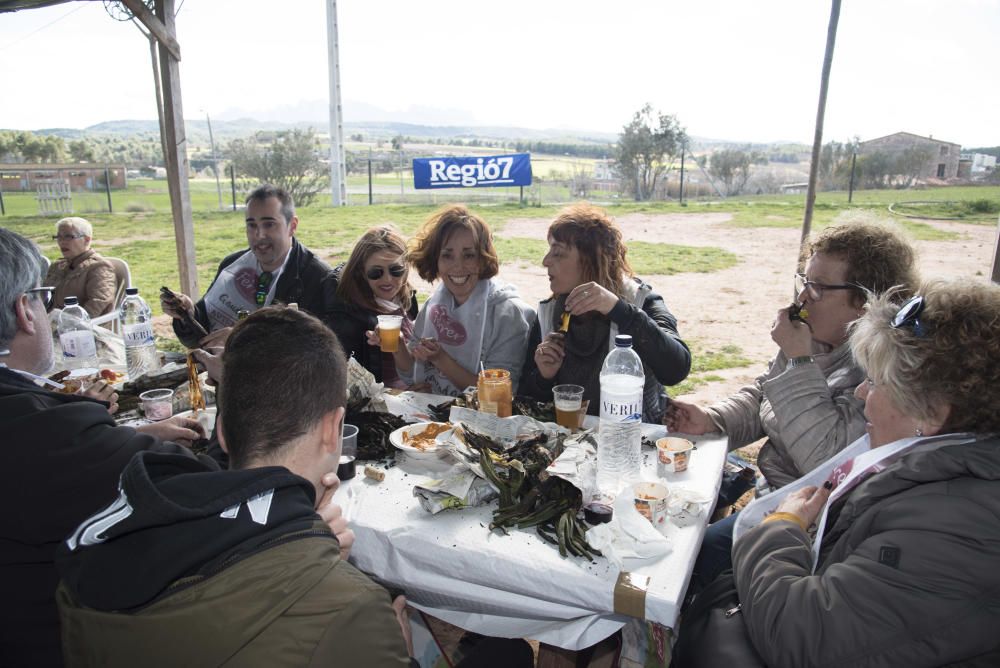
{"points": [[376, 273], [67, 237], [263, 287], [814, 289], [44, 293], [908, 316]]}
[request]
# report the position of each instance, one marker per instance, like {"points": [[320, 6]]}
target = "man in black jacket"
{"points": [[62, 455], [275, 268]]}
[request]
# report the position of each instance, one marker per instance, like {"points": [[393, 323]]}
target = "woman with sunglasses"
{"points": [[373, 281], [82, 273], [902, 570]]}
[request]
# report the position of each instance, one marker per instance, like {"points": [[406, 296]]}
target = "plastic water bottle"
{"points": [[137, 331], [76, 335], [619, 445]]}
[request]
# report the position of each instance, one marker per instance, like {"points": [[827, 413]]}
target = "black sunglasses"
{"points": [[375, 273], [44, 293], [908, 316]]}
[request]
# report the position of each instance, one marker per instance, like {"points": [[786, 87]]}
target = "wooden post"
{"points": [[831, 39], [995, 275], [107, 186], [176, 140]]}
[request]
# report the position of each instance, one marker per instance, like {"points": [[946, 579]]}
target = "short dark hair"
{"points": [[283, 370], [266, 191], [426, 247]]}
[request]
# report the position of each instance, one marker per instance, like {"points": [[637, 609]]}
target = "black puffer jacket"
{"points": [[62, 456]]}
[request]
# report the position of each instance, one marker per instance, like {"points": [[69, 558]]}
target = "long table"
{"points": [[451, 566]]}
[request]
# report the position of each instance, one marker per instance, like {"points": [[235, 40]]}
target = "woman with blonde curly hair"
{"points": [[903, 567], [591, 280], [472, 320]]}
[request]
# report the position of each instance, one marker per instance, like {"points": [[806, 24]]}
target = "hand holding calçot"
{"points": [[102, 391], [549, 355], [590, 297], [171, 307], [794, 338]]}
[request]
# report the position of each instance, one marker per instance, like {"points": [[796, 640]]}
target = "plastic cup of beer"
{"points": [[495, 395], [388, 332], [569, 404]]}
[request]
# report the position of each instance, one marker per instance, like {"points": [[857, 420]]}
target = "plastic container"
{"points": [[157, 404], [76, 336], [137, 331], [619, 443]]}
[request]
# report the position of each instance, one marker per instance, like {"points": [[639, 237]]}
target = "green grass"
{"points": [[981, 211], [704, 362], [647, 259], [146, 239]]}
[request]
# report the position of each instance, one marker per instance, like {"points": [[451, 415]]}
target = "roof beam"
{"points": [[155, 26]]}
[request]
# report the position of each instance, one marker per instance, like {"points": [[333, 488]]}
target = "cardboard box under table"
{"points": [[451, 566]]}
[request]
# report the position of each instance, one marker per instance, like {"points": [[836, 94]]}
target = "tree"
{"points": [[290, 162], [397, 143], [646, 149], [81, 151], [732, 167]]}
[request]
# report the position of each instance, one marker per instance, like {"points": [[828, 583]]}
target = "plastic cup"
{"points": [[348, 452], [157, 404], [673, 454], [388, 332], [569, 405]]}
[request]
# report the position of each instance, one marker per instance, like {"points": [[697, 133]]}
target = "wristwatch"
{"points": [[802, 359]]}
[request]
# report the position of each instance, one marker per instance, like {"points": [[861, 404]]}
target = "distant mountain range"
{"points": [[225, 130]]}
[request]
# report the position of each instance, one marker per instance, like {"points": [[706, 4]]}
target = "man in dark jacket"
{"points": [[62, 455], [275, 268], [246, 567]]}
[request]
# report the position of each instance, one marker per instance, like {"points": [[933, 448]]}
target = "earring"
{"points": [[920, 432]]}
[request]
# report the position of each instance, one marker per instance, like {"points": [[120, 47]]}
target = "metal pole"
{"points": [[850, 187], [369, 178], [338, 186], [522, 196], [232, 179], [682, 176], [107, 186], [3, 210], [215, 159]]}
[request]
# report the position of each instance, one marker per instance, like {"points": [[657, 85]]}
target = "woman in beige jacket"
{"points": [[82, 272]]}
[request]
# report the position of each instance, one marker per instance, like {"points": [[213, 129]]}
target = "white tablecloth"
{"points": [[513, 585]]}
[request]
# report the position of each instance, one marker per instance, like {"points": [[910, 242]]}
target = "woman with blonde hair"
{"points": [[374, 281], [592, 281], [902, 568], [472, 320]]}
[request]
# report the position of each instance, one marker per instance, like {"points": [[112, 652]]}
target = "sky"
{"points": [[728, 69]]}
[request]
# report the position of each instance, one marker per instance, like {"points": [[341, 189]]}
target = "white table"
{"points": [[516, 585]]}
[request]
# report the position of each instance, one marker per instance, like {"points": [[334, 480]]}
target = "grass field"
{"points": [[146, 238]]}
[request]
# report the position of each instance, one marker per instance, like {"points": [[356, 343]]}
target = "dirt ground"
{"points": [[736, 306]]}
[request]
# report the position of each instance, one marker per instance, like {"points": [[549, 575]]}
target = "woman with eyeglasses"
{"points": [[82, 273], [804, 404], [472, 320], [373, 281], [902, 570]]}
